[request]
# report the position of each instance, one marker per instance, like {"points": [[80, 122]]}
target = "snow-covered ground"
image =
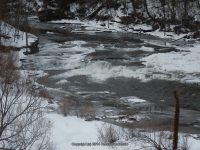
{"points": [[14, 37], [76, 134]]}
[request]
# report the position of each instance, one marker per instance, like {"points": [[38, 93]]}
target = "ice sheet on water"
{"points": [[183, 62]]}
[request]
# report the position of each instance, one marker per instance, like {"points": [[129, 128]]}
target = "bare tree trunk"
{"points": [[176, 121], [164, 16], [0, 32], [108, 12], [147, 10], [1, 7], [185, 8], [173, 11], [134, 6], [27, 9], [198, 3], [26, 42]]}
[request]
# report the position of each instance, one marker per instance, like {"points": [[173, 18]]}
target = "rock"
{"points": [[34, 47]]}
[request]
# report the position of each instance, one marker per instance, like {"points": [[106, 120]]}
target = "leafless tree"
{"points": [[22, 125], [176, 121], [166, 140]]}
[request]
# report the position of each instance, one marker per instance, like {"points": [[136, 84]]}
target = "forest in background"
{"points": [[179, 16], [184, 15]]}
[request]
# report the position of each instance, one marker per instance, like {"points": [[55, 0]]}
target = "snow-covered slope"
{"points": [[14, 37]]}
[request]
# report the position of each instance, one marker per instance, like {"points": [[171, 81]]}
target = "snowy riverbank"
{"points": [[12, 37], [76, 134], [106, 26]]}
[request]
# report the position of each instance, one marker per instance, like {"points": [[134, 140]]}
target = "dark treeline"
{"points": [[13, 12]]}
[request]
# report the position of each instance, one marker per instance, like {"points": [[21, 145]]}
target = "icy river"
{"points": [[109, 71]]}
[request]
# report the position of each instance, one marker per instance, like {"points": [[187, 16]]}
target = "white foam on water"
{"points": [[142, 48], [100, 71], [147, 49], [127, 49], [132, 99], [76, 42], [64, 81]]}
